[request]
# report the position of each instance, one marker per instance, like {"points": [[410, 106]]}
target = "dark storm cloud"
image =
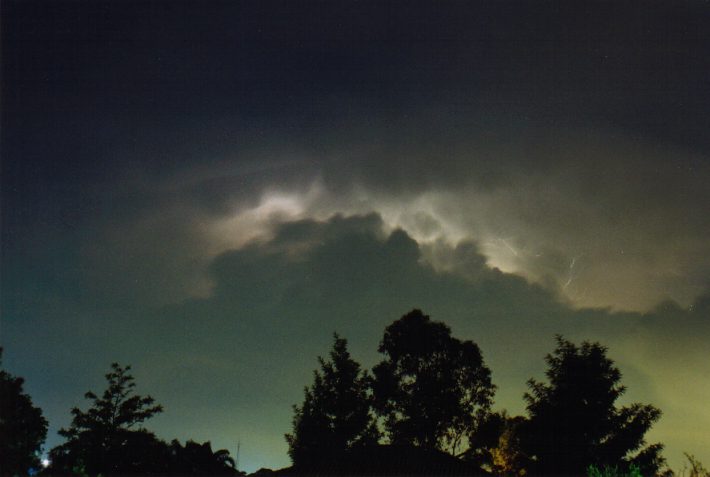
{"points": [[88, 75], [550, 133], [202, 105], [608, 219]]}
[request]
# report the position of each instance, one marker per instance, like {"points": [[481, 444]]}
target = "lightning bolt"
{"points": [[571, 274], [508, 246]]}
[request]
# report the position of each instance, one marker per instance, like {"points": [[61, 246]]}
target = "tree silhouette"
{"points": [[432, 389], [22, 427], [335, 415], [107, 438], [574, 422]]}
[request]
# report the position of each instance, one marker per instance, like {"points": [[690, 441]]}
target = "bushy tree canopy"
{"points": [[335, 414], [22, 427], [574, 422], [431, 389]]}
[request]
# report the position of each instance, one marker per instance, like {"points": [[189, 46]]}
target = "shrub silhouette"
{"points": [[594, 471], [199, 459]]}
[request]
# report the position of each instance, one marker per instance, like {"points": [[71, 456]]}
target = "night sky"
{"points": [[208, 190]]}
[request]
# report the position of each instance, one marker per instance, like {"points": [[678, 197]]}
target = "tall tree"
{"points": [[573, 420], [22, 427], [335, 415], [108, 437], [433, 390]]}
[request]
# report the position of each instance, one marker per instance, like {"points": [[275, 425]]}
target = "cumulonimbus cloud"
{"points": [[603, 219]]}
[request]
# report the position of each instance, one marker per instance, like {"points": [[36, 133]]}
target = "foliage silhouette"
{"points": [[594, 471], [496, 446], [199, 459], [574, 423], [434, 394], [335, 415], [105, 438], [22, 427], [392, 460], [693, 468], [432, 390]]}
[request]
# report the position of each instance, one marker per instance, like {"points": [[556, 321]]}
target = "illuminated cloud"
{"points": [[604, 221]]}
